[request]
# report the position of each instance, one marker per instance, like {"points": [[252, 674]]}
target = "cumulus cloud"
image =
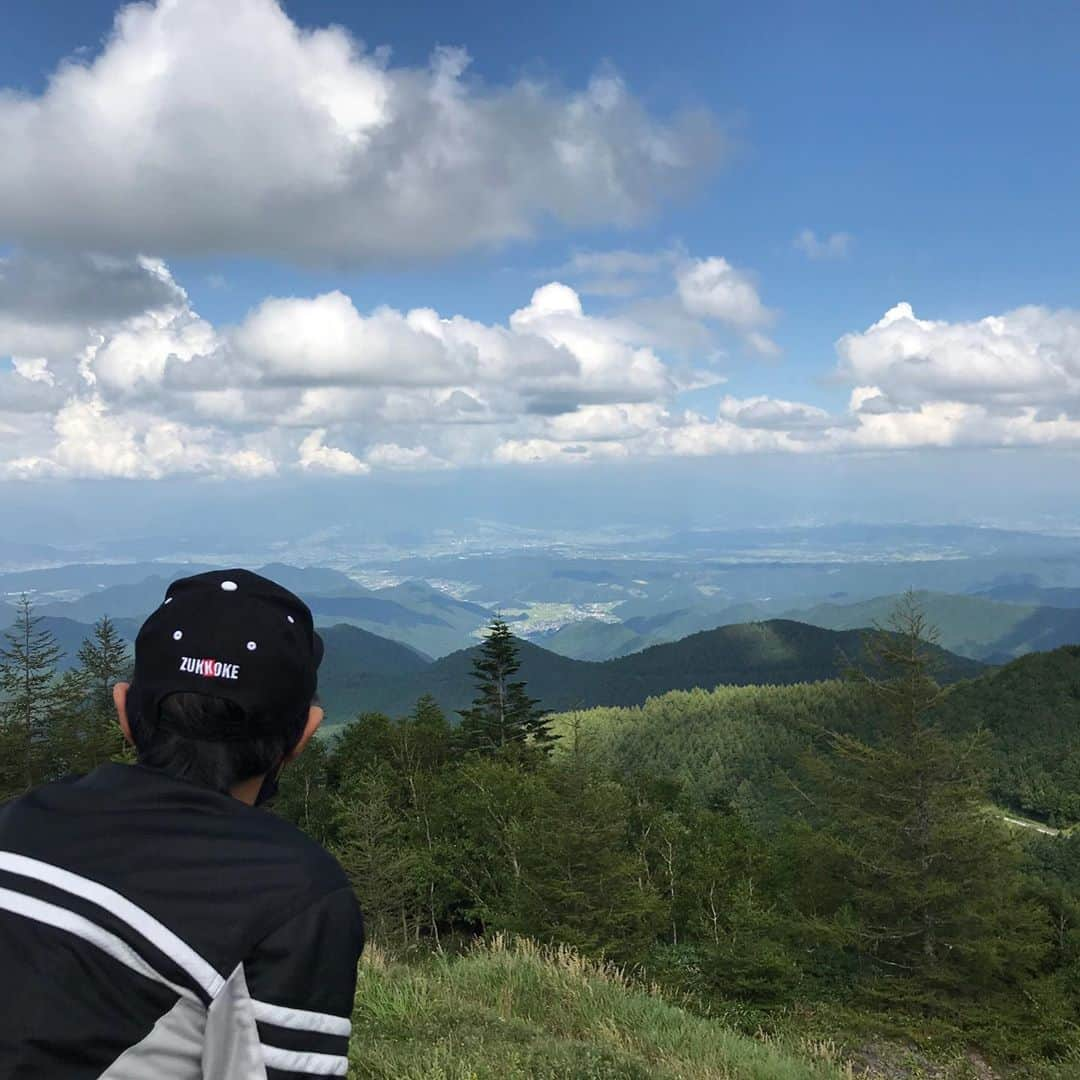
{"points": [[1026, 357], [314, 454], [774, 414], [92, 442], [182, 136], [317, 384], [325, 339], [393, 456], [162, 390], [835, 246], [714, 289], [74, 288], [122, 319]]}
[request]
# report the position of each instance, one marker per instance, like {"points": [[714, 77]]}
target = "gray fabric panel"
{"points": [[172, 1051], [231, 1046]]}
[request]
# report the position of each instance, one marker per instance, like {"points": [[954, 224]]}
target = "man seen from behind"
{"points": [[155, 925]]}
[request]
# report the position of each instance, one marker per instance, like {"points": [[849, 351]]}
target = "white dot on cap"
{"points": [[229, 586], [290, 618], [168, 599], [252, 646], [177, 635]]}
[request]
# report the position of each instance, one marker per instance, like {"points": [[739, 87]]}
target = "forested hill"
{"points": [[1032, 708], [777, 652], [983, 627], [728, 743]]}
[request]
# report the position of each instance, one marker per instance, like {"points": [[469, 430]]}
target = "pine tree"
{"points": [[423, 737], [931, 878], [502, 714], [32, 700], [93, 734], [581, 880]]}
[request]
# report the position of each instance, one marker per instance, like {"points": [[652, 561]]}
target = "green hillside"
{"points": [[723, 744], [509, 1010], [974, 626], [420, 596], [776, 652], [727, 743], [1032, 707], [593, 639], [352, 659], [85, 578], [124, 601], [413, 613]]}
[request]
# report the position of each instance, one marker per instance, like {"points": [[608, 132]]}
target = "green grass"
{"points": [[511, 1009]]}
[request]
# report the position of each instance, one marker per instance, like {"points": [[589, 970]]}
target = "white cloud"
{"points": [[136, 355], [314, 383], [177, 137], [314, 454], [1026, 357], [249, 463], [548, 451], [767, 413], [326, 339], [93, 442], [393, 456], [714, 289], [90, 440], [33, 369], [607, 423], [835, 246], [52, 304]]}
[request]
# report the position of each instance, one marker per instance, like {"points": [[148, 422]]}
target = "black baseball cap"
{"points": [[235, 635]]}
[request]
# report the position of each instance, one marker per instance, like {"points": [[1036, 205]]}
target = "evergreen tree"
{"points": [[502, 714], [931, 878], [581, 880], [305, 796], [93, 735], [375, 851], [424, 737], [32, 700]]}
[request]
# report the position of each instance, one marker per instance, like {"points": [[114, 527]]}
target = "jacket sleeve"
{"points": [[302, 980]]}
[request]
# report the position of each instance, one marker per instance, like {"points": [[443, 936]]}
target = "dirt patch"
{"points": [[883, 1060]]}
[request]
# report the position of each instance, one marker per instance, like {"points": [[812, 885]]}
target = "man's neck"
{"points": [[248, 790]]}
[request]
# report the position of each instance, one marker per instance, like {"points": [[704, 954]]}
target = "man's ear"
{"points": [[119, 696], [314, 719]]}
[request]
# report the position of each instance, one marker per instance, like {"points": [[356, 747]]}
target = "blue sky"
{"points": [[928, 151]]}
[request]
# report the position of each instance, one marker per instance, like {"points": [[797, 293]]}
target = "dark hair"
{"points": [[185, 741]]}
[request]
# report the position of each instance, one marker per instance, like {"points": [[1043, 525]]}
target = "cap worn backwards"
{"points": [[235, 635]]}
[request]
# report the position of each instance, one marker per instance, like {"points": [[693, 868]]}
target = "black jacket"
{"points": [[150, 928]]}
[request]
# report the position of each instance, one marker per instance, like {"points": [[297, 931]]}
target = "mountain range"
{"points": [[977, 626], [363, 671], [995, 626], [778, 652], [411, 612]]}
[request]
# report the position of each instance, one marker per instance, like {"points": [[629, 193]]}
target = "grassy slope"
{"points": [[510, 1011]]}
